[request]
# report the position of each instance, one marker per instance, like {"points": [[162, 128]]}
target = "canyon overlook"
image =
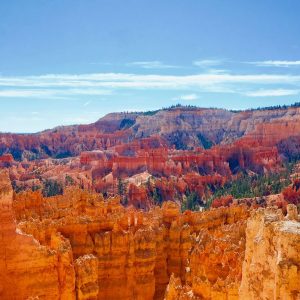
{"points": [[149, 150], [163, 153], [181, 203], [80, 246]]}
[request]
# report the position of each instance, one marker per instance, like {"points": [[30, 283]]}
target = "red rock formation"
{"points": [[222, 201], [179, 127], [6, 158], [122, 152]]}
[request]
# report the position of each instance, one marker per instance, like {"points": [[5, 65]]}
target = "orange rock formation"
{"points": [[28, 269], [271, 266], [124, 253], [91, 248]]}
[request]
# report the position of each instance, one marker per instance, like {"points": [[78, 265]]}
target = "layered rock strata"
{"points": [[271, 269], [90, 248], [128, 254], [28, 269]]}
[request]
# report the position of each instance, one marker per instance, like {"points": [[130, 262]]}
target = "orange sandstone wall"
{"points": [[89, 248], [271, 269], [28, 269], [128, 254]]}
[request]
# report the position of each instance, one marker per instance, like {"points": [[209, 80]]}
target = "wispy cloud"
{"points": [[272, 93], [277, 63], [89, 83], [49, 93], [186, 97], [26, 93], [207, 62], [154, 64], [75, 85]]}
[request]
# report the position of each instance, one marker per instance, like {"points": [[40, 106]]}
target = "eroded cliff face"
{"points": [[28, 269], [265, 267], [214, 266], [124, 253], [91, 248], [271, 269], [182, 128], [159, 154]]}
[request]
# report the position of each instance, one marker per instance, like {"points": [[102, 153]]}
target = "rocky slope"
{"points": [[155, 156], [271, 268], [28, 269], [183, 128], [90, 248], [141, 171], [270, 262]]}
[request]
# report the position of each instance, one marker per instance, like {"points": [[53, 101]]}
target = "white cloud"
{"points": [[90, 83], [49, 93], [187, 97], [154, 64], [272, 93], [26, 93], [87, 103], [74, 85], [207, 62], [277, 63]]}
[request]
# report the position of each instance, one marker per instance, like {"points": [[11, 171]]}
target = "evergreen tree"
{"points": [[52, 188]]}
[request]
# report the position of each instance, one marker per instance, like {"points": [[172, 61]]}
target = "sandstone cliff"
{"points": [[266, 267], [129, 254], [91, 248], [271, 269], [28, 269]]}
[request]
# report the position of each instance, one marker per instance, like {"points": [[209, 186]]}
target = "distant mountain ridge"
{"points": [[179, 127]]}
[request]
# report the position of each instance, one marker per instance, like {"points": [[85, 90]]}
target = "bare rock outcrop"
{"points": [[271, 269], [28, 269]]}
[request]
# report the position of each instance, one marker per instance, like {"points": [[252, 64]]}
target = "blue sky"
{"points": [[70, 61]]}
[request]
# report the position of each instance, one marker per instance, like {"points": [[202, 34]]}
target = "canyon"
{"points": [[166, 153], [180, 127], [137, 206], [80, 246]]}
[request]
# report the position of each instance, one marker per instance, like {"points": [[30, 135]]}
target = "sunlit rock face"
{"points": [[91, 248], [28, 269], [261, 262], [124, 253], [214, 266], [271, 269]]}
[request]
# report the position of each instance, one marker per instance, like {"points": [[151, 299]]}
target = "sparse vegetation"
{"points": [[126, 123], [256, 186], [157, 196], [207, 144], [191, 201], [52, 188], [69, 180]]}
